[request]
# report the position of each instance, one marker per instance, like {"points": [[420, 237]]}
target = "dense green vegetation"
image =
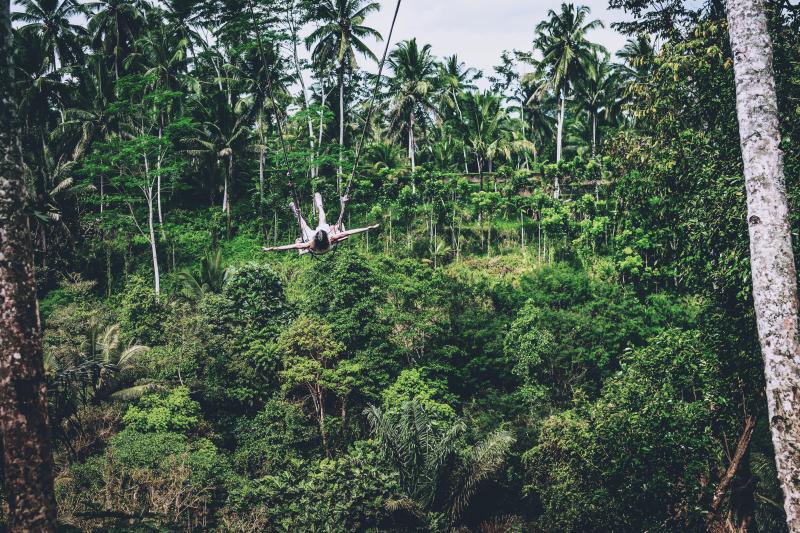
{"points": [[551, 330]]}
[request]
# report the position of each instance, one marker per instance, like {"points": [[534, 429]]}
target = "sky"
{"points": [[479, 30]]}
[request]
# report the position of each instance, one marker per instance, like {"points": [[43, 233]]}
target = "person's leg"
{"points": [[308, 233], [320, 210], [342, 207]]}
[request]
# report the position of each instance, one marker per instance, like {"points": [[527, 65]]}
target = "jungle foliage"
{"points": [[551, 330]]}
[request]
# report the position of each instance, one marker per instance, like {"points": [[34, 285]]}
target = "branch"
{"points": [[713, 521]]}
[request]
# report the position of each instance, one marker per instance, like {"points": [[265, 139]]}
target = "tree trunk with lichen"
{"points": [[27, 455], [771, 256]]}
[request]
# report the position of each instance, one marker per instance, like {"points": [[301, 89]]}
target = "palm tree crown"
{"points": [[50, 20], [563, 44], [565, 52], [414, 70], [338, 39]]}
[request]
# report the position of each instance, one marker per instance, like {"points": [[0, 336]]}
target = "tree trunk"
{"points": [[560, 124], [27, 455], [158, 178], [227, 201], [772, 259], [152, 237], [261, 163], [411, 143], [148, 195], [594, 134], [225, 193]]}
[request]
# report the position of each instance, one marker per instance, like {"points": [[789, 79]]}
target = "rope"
{"points": [[290, 180], [370, 108]]}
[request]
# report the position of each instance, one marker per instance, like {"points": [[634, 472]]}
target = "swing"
{"points": [[324, 237]]}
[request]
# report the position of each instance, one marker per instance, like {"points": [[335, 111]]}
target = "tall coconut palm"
{"points": [[597, 91], [565, 52], [114, 27], [27, 453], [337, 41], [454, 79], [638, 55], [485, 127], [638, 60], [52, 21], [535, 110], [412, 84], [221, 135]]}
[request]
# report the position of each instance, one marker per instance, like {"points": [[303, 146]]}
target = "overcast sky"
{"points": [[479, 30]]}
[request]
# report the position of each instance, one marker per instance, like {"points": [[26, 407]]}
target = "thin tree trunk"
{"points": [[148, 192], [560, 124], [524, 135], [27, 455], [594, 134], [152, 236], [714, 519], [225, 193], [771, 256], [411, 143], [158, 179], [461, 119], [227, 201], [261, 163]]}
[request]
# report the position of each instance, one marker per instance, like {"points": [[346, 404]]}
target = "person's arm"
{"points": [[295, 246], [345, 234]]}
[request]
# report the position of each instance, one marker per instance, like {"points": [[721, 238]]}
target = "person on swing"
{"points": [[325, 237]]}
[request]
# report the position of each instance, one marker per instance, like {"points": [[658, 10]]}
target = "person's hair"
{"points": [[321, 239]]}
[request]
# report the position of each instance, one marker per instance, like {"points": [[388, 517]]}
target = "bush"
{"points": [[267, 443], [174, 411], [343, 494], [636, 459], [256, 298]]}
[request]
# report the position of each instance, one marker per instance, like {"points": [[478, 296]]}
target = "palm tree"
{"points": [[565, 52], [221, 135], [337, 41], [51, 20], [114, 28], [597, 91], [485, 127], [164, 56], [638, 55], [412, 85], [535, 110], [209, 278], [433, 476], [106, 347], [638, 60], [454, 79]]}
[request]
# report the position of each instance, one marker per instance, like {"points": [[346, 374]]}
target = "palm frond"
{"points": [[484, 460]]}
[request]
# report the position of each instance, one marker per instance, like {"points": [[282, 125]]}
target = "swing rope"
{"points": [[370, 109], [276, 110], [359, 145]]}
